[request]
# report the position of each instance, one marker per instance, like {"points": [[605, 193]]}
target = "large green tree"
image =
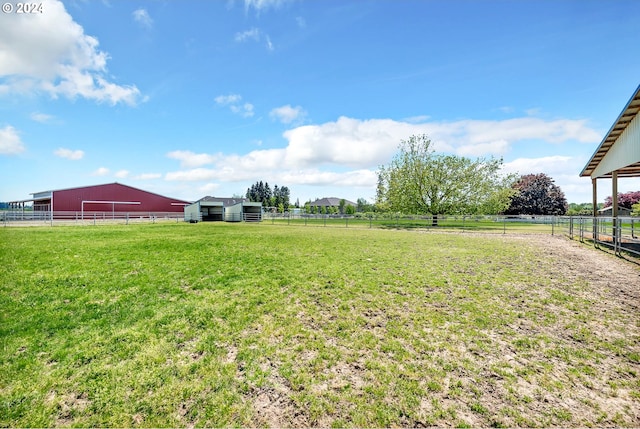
{"points": [[420, 181]]}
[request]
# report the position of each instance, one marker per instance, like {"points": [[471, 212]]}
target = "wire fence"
{"points": [[43, 218], [497, 224], [620, 234]]}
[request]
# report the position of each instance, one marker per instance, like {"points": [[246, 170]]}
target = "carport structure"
{"points": [[619, 153]]}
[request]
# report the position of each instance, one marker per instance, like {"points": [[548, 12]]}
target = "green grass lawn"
{"points": [[256, 325]]}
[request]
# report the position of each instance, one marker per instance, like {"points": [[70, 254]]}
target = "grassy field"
{"points": [[259, 325]]}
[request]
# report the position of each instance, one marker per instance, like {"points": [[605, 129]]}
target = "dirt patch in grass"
{"points": [[556, 345]]}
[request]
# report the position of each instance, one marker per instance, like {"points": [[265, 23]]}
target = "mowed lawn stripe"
{"points": [[258, 325]]}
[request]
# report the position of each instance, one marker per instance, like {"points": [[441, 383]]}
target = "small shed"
{"points": [[243, 211], [608, 211], [223, 209], [204, 210]]}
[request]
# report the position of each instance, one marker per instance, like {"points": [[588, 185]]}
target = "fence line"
{"points": [[618, 234], [19, 218], [499, 224]]}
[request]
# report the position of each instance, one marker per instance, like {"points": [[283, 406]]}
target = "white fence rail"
{"points": [[29, 217]]}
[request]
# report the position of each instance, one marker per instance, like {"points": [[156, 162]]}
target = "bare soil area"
{"points": [[555, 366]]}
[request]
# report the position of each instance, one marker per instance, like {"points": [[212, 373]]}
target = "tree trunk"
{"points": [[434, 220]]}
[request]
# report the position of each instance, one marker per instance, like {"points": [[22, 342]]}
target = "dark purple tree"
{"points": [[625, 200], [537, 194]]}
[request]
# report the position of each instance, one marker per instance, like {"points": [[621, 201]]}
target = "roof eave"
{"points": [[616, 129]]}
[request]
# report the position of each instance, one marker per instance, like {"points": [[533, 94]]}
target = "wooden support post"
{"points": [[595, 196], [614, 209], [614, 195]]}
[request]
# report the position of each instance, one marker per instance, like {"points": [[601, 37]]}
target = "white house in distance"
{"points": [[212, 209], [331, 202]]}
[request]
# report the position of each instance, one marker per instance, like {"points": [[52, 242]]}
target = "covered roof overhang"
{"points": [[604, 160]]}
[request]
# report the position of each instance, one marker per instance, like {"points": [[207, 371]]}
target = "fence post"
{"points": [[504, 225]]}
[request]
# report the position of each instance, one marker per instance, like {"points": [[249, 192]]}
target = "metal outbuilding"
{"points": [[204, 211], [619, 152], [111, 197], [245, 211], [223, 209]]}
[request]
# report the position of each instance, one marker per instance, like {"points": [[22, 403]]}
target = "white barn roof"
{"points": [[620, 149]]}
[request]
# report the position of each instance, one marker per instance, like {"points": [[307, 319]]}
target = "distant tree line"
{"points": [[277, 197]]}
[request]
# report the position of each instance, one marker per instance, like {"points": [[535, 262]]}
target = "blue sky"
{"points": [[195, 98]]}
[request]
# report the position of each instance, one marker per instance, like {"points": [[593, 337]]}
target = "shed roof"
{"points": [[226, 202], [629, 113]]}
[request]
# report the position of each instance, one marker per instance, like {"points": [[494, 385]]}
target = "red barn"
{"points": [[111, 198]]}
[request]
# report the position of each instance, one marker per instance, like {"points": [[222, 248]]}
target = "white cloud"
{"points": [[349, 142], [141, 16], [254, 34], [209, 188], [416, 119], [498, 147], [72, 155], [347, 152], [551, 165], [50, 53], [355, 178], [234, 103], [102, 171], [147, 176], [245, 110], [260, 5], [287, 114], [10, 143], [564, 170], [228, 99], [194, 175], [41, 117], [190, 159], [121, 174], [268, 43], [511, 130]]}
